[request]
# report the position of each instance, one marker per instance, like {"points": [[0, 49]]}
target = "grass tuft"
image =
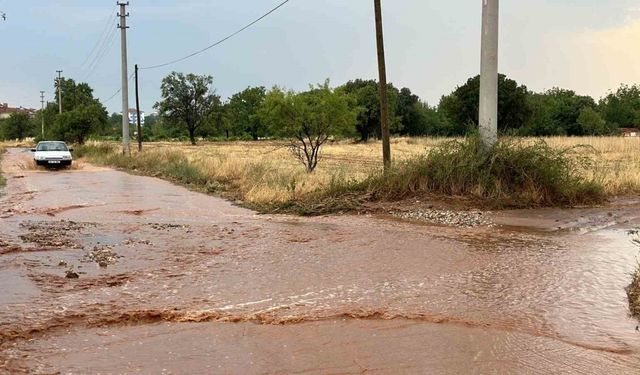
{"points": [[633, 292], [513, 174]]}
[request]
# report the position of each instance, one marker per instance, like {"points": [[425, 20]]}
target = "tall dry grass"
{"points": [[265, 172], [619, 160]]}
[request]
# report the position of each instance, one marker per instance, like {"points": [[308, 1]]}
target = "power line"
{"points": [[118, 91], [103, 34], [99, 58], [218, 42]]}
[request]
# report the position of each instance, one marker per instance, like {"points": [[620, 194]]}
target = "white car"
{"points": [[52, 154]]}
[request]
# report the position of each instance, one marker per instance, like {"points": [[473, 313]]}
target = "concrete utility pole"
{"points": [[125, 78], [42, 112], [488, 116], [138, 113], [384, 99], [59, 90]]}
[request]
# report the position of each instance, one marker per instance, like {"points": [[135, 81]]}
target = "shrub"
{"points": [[513, 174], [633, 292]]}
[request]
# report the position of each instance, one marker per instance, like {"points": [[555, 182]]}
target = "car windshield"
{"points": [[52, 146]]}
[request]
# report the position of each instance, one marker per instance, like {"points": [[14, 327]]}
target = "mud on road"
{"points": [[105, 272]]}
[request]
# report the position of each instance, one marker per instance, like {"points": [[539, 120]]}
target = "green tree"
{"points": [[78, 124], [187, 100], [222, 122], [309, 119], [366, 94], [462, 105], [17, 126], [622, 108], [556, 112], [242, 111], [74, 94], [592, 123], [426, 121]]}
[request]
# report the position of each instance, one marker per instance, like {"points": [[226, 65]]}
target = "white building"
{"points": [[133, 117]]}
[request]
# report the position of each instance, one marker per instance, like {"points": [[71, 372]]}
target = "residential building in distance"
{"points": [[6, 111], [133, 117], [630, 132]]}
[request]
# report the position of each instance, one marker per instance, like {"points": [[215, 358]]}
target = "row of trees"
{"points": [[521, 111], [82, 116], [553, 112], [191, 108]]}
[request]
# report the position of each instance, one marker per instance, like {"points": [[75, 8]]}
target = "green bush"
{"points": [[513, 174], [633, 292]]}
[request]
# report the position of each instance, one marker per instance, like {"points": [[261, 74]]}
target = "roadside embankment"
{"points": [[3, 181], [515, 174]]}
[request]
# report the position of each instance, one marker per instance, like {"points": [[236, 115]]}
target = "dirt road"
{"points": [[105, 272]]}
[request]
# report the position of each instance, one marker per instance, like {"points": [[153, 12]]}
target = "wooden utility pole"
{"points": [[384, 99], [126, 150], [488, 114], [138, 112]]}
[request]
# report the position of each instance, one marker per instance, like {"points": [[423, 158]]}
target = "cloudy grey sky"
{"points": [[590, 46]]}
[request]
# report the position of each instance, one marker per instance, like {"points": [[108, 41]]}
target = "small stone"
{"points": [[72, 275], [103, 264], [62, 263]]}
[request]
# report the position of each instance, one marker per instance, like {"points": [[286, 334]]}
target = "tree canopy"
{"points": [[243, 108], [187, 100], [461, 106], [78, 124], [17, 126], [309, 118]]}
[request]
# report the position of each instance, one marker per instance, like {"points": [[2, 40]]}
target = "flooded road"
{"points": [[106, 272]]}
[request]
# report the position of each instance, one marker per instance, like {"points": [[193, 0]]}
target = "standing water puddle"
{"points": [[201, 286]]}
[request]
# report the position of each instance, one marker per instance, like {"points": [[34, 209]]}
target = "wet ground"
{"points": [[105, 272]]}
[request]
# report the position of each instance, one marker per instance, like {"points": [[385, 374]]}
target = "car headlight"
{"points": [[67, 157]]}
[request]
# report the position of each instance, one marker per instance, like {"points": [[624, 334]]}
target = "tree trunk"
{"points": [[192, 136]]}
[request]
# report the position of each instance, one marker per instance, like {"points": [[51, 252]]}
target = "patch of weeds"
{"points": [[513, 174], [93, 150], [633, 292]]}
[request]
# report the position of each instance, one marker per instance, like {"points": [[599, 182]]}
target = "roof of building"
{"points": [[4, 109]]}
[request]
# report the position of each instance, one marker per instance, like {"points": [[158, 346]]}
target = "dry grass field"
{"points": [[266, 172]]}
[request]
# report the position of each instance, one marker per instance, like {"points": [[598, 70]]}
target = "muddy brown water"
{"points": [[199, 286]]}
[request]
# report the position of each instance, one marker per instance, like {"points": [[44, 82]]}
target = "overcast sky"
{"points": [[591, 46]]}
